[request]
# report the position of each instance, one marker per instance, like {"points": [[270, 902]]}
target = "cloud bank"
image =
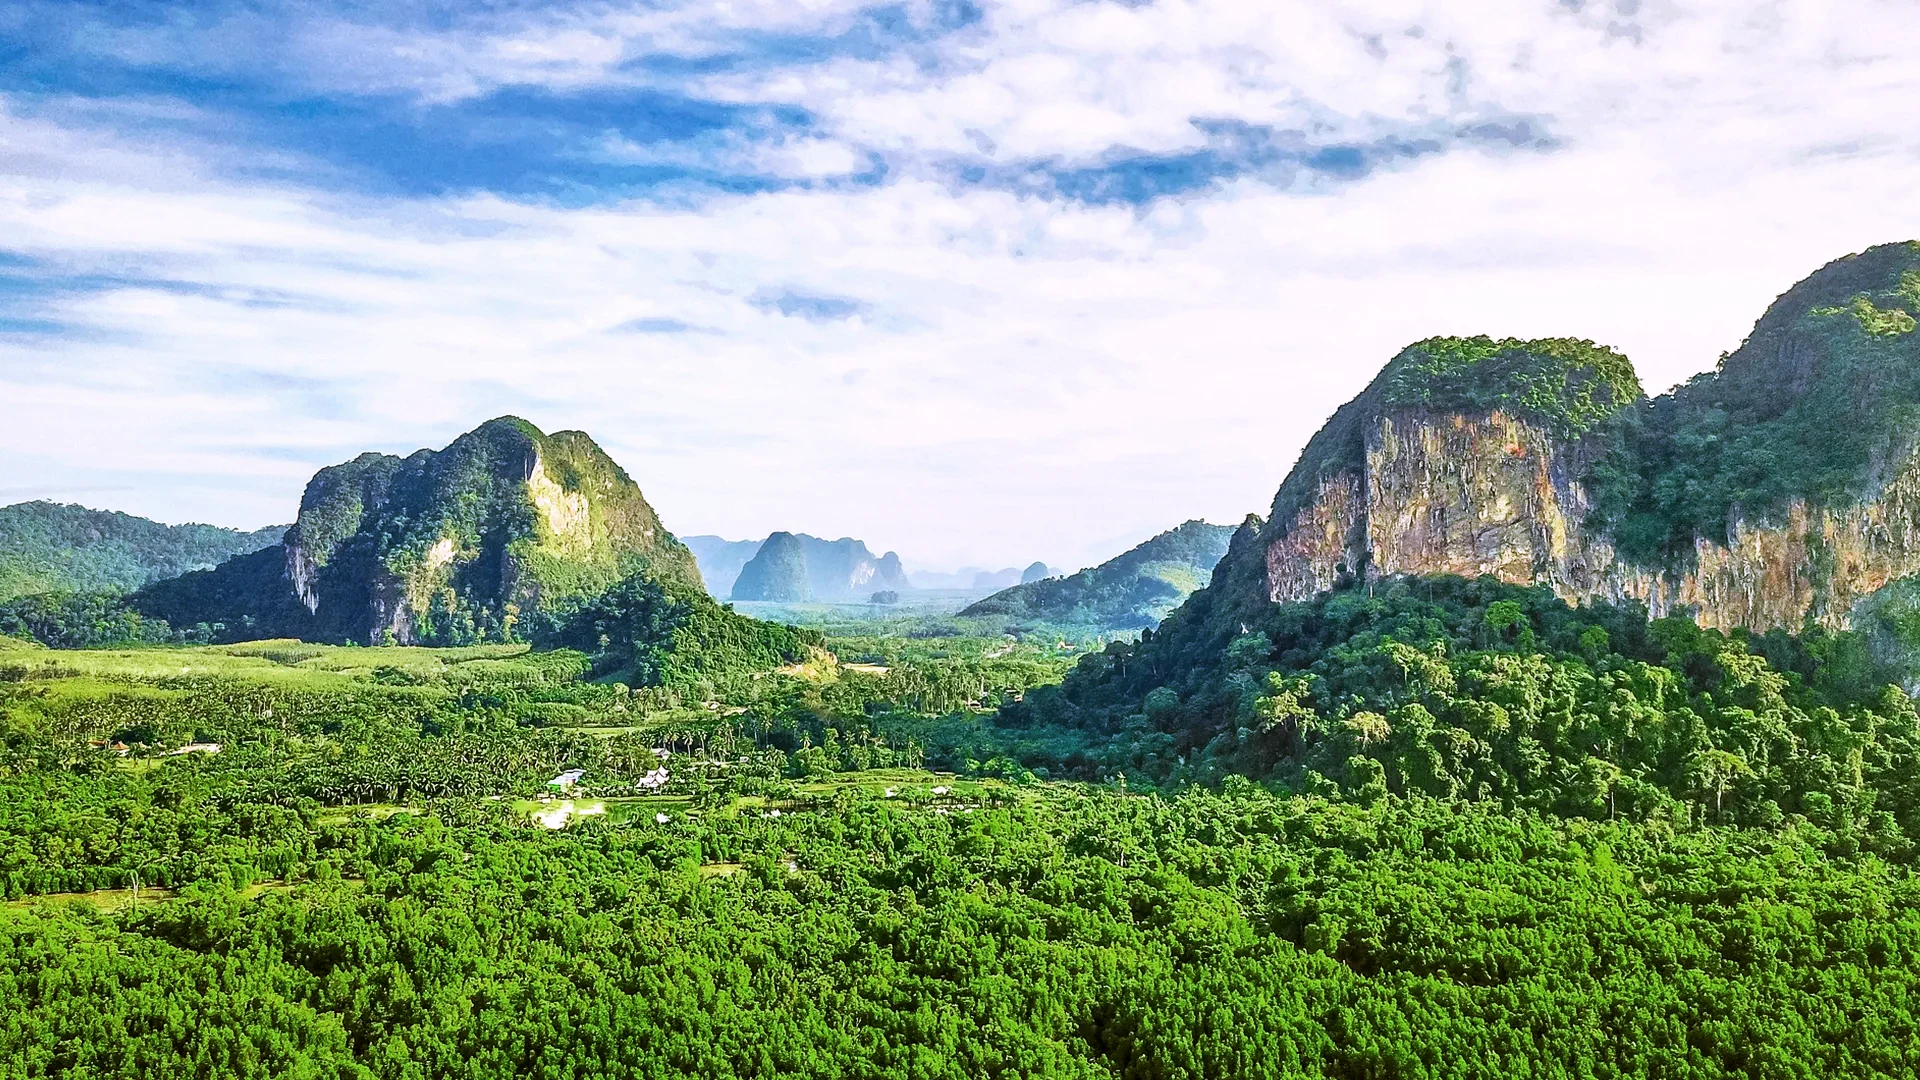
{"points": [[981, 282]]}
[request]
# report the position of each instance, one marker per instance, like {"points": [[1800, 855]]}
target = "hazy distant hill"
{"points": [[797, 567], [55, 547], [979, 579], [1132, 590], [995, 580], [721, 560]]}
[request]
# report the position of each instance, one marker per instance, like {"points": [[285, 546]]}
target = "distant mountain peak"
{"points": [[796, 567]]}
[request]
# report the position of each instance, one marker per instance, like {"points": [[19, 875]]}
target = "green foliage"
{"points": [[243, 599], [1570, 387], [1818, 404], [48, 547], [80, 621], [1132, 590], [1480, 691], [352, 886], [449, 547], [336, 502], [651, 633], [1058, 933], [1873, 320]]}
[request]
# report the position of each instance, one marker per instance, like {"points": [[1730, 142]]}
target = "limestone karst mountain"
{"points": [[504, 525], [1779, 490], [795, 567], [777, 572]]}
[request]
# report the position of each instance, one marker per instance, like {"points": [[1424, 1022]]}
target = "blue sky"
{"points": [[980, 282]]}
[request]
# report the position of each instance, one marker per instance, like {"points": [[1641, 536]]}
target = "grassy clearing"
{"points": [[908, 784], [559, 813], [369, 812], [282, 662], [414, 660], [105, 901]]}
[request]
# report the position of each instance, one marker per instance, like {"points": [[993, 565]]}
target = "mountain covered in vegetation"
{"points": [[1127, 592], [505, 525], [795, 567], [1779, 493], [1450, 813], [48, 547], [1780, 488]]}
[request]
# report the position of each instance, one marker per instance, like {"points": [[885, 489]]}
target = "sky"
{"points": [[981, 282]]}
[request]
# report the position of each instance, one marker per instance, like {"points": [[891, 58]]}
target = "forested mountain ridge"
{"points": [[1345, 629], [443, 547], [1783, 486], [1132, 590], [48, 547]]}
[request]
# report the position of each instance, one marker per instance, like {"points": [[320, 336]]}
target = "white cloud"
{"points": [[1033, 377]]}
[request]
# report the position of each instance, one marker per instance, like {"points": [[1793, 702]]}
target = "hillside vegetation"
{"points": [[1132, 590], [445, 547], [56, 548], [1820, 403], [356, 861]]}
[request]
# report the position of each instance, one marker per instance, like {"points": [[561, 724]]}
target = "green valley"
{"points": [[1540, 728]]}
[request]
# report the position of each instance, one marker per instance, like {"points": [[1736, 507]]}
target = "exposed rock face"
{"points": [[443, 547], [1489, 494], [331, 511], [1470, 457]]}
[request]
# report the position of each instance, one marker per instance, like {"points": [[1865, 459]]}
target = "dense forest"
{"points": [[1450, 829], [50, 547], [1413, 826]]}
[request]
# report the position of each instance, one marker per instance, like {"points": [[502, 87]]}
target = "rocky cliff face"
{"points": [[444, 547], [1488, 494], [1395, 486]]}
